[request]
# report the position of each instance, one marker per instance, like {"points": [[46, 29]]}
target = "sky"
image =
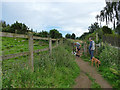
{"points": [[67, 16]]}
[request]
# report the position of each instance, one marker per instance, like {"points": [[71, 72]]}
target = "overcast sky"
{"points": [[67, 16]]}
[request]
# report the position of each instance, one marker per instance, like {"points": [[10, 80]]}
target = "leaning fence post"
{"points": [[50, 46], [31, 62]]}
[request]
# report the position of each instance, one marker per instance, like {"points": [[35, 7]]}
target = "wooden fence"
{"points": [[114, 41], [31, 51]]}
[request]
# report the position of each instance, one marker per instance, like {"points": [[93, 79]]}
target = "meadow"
{"points": [[57, 70], [17, 45]]}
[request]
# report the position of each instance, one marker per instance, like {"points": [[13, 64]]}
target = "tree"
{"points": [[43, 34], [110, 13], [84, 35], [55, 34], [3, 23], [68, 36], [6, 29], [106, 30], [21, 28], [73, 36], [93, 27]]}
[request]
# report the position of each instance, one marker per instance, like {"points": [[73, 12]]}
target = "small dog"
{"points": [[96, 62], [74, 53]]}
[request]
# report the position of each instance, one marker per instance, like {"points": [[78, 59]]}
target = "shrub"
{"points": [[106, 30], [110, 65], [110, 56]]}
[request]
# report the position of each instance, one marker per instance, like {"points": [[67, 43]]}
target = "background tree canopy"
{"points": [[93, 27], [21, 28], [106, 30], [73, 36], [55, 34], [68, 35]]}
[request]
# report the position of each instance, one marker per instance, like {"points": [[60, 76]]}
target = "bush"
{"points": [[110, 56], [106, 30], [110, 65]]}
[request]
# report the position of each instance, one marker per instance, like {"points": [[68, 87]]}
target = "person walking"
{"points": [[91, 48]]}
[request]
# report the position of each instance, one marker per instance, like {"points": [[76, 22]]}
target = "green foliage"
{"points": [[6, 29], [21, 28], [110, 57], [83, 36], [18, 28], [56, 71], [110, 13], [93, 27], [113, 79], [73, 36], [68, 36], [41, 34], [100, 33], [110, 67], [3, 23], [55, 34], [106, 30]]}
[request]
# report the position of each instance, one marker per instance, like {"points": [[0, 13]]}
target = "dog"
{"points": [[74, 53], [97, 62]]}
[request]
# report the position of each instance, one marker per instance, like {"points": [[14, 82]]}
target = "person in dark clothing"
{"points": [[91, 48]]}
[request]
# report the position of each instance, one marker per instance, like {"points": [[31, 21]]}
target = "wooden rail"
{"points": [[4, 34], [31, 51], [9, 56]]}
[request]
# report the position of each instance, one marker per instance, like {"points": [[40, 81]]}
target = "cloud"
{"points": [[52, 1], [67, 17]]}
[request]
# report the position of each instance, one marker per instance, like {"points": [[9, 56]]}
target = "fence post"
{"points": [[61, 41], [85, 48], [96, 42], [57, 42], [31, 62], [50, 46]]}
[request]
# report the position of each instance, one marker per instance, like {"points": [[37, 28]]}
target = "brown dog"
{"points": [[96, 61]]}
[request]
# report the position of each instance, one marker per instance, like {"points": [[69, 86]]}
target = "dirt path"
{"points": [[83, 81]]}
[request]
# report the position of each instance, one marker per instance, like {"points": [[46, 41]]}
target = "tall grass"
{"points": [[110, 65], [51, 71]]}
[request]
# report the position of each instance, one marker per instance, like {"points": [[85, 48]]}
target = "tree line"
{"points": [[110, 13], [21, 28], [70, 36]]}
